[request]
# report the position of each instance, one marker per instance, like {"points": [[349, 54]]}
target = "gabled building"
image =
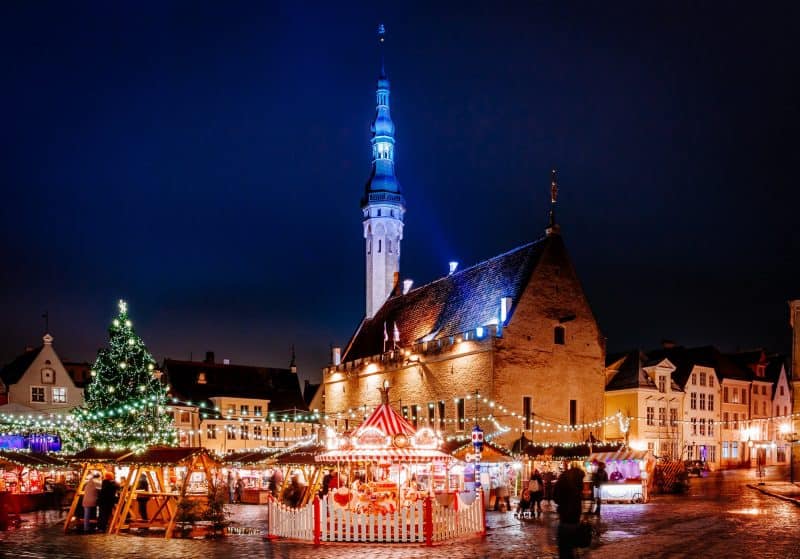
{"points": [[510, 342], [694, 370], [37, 381], [770, 407], [226, 407], [633, 393]]}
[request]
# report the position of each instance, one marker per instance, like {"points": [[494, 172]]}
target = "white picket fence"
{"points": [[323, 521], [459, 521]]}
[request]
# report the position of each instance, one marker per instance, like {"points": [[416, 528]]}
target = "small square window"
{"points": [[37, 393], [59, 395]]}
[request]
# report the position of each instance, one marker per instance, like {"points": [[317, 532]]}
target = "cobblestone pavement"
{"points": [[722, 516]]}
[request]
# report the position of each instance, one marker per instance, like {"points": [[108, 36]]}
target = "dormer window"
{"points": [[201, 378]]}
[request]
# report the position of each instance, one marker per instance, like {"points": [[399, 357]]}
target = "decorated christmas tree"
{"points": [[125, 400]]}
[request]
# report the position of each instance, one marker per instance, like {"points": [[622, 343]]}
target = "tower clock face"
{"points": [[48, 375]]}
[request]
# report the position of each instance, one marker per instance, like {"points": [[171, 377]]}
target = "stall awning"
{"points": [[300, 455], [97, 455], [394, 455], [622, 454], [156, 456]]}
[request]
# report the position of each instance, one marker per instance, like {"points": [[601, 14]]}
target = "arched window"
{"points": [[379, 244], [389, 246], [559, 335]]}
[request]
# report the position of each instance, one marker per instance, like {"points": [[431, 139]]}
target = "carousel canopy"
{"points": [[404, 455], [386, 436], [388, 421]]}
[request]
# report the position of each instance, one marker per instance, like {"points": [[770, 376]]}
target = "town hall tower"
{"points": [[383, 205]]}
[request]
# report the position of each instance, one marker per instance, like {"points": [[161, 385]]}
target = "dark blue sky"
{"points": [[205, 161]]}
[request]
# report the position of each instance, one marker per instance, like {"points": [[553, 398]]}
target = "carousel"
{"points": [[384, 482]]}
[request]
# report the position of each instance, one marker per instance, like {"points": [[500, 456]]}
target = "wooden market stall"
{"points": [[255, 469], [497, 468], [89, 461], [630, 474], [173, 475], [298, 462], [28, 480]]}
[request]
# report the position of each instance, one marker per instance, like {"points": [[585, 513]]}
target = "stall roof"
{"points": [[300, 455], [163, 455], [32, 460], [621, 454], [249, 458], [491, 452], [385, 455], [97, 455]]}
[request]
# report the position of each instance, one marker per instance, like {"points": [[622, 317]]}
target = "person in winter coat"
{"points": [[91, 492], [567, 495], [106, 500], [600, 477], [536, 488]]}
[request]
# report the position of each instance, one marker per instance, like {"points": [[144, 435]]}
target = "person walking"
{"points": [[143, 497], [536, 489], [567, 495], [91, 491], [106, 500], [600, 477]]}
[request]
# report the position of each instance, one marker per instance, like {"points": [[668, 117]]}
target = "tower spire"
{"points": [[383, 205], [552, 227]]}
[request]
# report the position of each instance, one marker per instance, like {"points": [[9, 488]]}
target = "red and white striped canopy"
{"points": [[623, 454], [388, 421], [392, 455]]}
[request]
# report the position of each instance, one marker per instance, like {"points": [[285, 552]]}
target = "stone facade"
{"points": [[547, 347]]}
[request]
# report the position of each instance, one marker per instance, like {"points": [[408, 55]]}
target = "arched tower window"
{"points": [[379, 244], [559, 335]]}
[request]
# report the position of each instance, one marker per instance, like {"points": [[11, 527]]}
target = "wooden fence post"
{"points": [[483, 512], [317, 529], [427, 509]]}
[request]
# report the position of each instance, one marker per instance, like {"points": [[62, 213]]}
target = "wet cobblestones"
{"points": [[720, 517]]}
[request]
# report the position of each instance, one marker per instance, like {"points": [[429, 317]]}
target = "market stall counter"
{"points": [[629, 475]]}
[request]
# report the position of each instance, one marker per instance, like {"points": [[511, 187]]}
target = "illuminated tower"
{"points": [[383, 205]]}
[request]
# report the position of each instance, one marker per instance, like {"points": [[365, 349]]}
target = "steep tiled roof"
{"points": [[685, 360], [12, 372], [627, 372], [280, 386], [453, 304]]}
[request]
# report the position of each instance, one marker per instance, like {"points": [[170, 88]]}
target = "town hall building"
{"points": [[510, 343]]}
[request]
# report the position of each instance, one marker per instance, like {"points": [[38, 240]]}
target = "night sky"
{"points": [[205, 161]]}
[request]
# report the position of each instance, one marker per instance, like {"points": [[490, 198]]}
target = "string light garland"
{"points": [[125, 405]]}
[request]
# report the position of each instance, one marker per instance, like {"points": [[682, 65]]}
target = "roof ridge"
{"points": [[479, 263]]}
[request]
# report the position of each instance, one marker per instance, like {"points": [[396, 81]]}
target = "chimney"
{"points": [[407, 283], [453, 267], [505, 309], [337, 356], [209, 357]]}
